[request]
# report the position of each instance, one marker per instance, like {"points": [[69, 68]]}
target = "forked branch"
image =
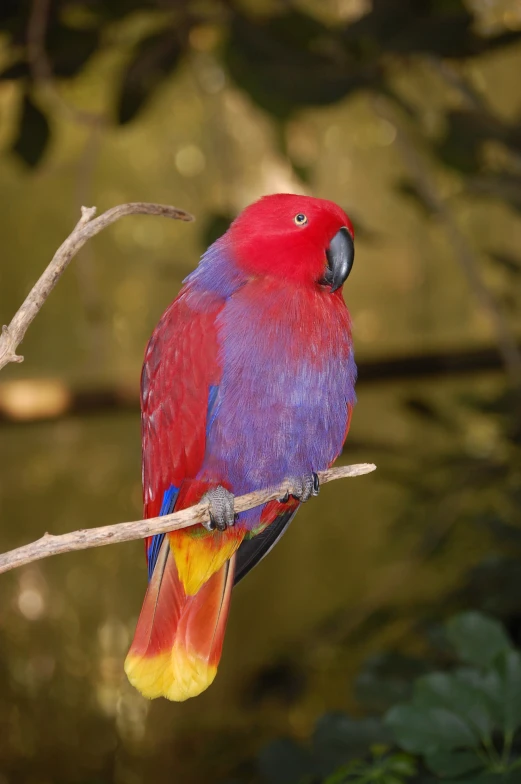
{"points": [[13, 334]]}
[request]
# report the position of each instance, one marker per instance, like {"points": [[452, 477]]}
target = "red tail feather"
{"points": [[179, 638]]}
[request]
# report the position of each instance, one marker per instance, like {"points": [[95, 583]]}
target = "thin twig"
{"points": [[464, 253], [86, 228], [124, 532]]}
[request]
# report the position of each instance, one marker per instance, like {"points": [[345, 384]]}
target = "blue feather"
{"points": [[167, 507], [212, 408]]}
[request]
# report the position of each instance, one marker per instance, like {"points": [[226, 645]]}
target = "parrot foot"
{"points": [[304, 488], [222, 512]]}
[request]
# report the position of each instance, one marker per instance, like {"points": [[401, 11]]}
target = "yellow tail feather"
{"points": [[198, 557], [176, 674]]}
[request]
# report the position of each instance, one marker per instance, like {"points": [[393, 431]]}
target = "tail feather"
{"points": [[179, 638]]}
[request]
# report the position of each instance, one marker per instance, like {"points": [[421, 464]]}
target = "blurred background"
{"points": [[408, 114]]}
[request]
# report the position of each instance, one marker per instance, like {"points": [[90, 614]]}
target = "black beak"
{"points": [[340, 256]]}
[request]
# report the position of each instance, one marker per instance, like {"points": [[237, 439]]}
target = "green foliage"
{"points": [[289, 61], [476, 639], [382, 768], [285, 762], [459, 727], [337, 738], [464, 722], [154, 60], [284, 58]]}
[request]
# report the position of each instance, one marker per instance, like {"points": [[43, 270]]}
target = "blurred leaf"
{"points": [[509, 669], [69, 48], [503, 186], [10, 11], [284, 762], [445, 34], [402, 764], [18, 70], [488, 684], [387, 678], [33, 133], [461, 146], [410, 191], [444, 28], [507, 262], [487, 778], [215, 226], [382, 768], [502, 529], [453, 763], [458, 695], [427, 411], [289, 61], [494, 585], [281, 680], [338, 738], [156, 57], [476, 638], [304, 173], [425, 731]]}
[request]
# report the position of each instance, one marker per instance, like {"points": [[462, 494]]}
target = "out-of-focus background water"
{"points": [[409, 116]]}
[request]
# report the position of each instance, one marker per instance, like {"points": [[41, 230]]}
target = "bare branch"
{"points": [[124, 532], [86, 228]]}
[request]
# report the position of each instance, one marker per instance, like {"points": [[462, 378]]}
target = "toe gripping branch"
{"points": [[222, 512], [221, 501], [303, 488]]}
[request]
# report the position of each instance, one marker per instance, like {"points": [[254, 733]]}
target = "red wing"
{"points": [[180, 366]]}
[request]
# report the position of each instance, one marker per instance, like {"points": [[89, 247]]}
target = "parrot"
{"points": [[248, 380]]}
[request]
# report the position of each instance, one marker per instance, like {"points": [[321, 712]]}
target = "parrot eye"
{"points": [[300, 219]]}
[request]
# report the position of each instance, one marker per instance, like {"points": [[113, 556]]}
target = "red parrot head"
{"points": [[297, 238]]}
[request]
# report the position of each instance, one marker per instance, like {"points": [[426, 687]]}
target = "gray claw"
{"points": [[306, 486], [222, 512]]}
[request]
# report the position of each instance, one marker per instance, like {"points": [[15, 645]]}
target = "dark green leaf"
{"points": [[338, 738], [487, 778], [289, 61], [346, 772], [509, 669], [402, 764], [423, 731], [284, 762], [477, 638], [70, 48], [461, 146], [386, 679], [489, 685], [18, 70], [443, 29], [458, 695], [453, 763], [216, 225], [33, 133], [156, 57]]}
